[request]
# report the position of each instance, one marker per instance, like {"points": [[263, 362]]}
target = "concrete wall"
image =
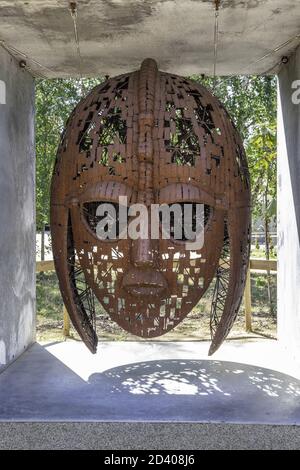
{"points": [[289, 207], [17, 224]]}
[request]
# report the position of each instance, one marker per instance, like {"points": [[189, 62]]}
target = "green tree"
{"points": [[55, 99], [262, 159]]}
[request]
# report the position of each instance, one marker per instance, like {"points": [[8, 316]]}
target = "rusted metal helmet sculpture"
{"points": [[155, 138]]}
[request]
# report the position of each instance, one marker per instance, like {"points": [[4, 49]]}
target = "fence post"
{"points": [[247, 300], [66, 327]]}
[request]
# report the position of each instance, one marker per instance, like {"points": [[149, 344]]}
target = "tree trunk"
{"points": [[43, 243], [267, 252]]}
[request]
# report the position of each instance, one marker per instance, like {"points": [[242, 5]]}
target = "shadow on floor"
{"points": [[195, 377], [40, 387]]}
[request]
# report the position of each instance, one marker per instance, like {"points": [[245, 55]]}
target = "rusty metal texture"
{"points": [[155, 138]]}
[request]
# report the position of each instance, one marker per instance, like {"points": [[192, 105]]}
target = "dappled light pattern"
{"points": [[203, 378]]}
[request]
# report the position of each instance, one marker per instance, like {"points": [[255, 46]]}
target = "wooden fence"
{"points": [[256, 264]]}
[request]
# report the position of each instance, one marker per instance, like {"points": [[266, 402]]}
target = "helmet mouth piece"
{"points": [[144, 282]]}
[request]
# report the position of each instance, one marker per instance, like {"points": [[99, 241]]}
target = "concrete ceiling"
{"points": [[115, 35]]}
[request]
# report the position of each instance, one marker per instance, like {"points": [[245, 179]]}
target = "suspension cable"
{"points": [[273, 51], [74, 14], [216, 40], [16, 53]]}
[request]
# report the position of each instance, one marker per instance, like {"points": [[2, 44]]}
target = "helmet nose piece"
{"points": [[144, 253]]}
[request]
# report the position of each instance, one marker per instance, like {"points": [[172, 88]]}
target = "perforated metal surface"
{"points": [[155, 138]]}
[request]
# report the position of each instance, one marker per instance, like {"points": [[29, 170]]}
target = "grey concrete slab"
{"points": [[148, 382], [116, 35], [149, 436], [17, 205]]}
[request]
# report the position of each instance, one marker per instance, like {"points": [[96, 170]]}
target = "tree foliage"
{"points": [[55, 99]]}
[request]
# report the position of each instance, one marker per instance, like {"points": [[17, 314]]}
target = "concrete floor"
{"points": [[148, 436], [245, 382]]}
